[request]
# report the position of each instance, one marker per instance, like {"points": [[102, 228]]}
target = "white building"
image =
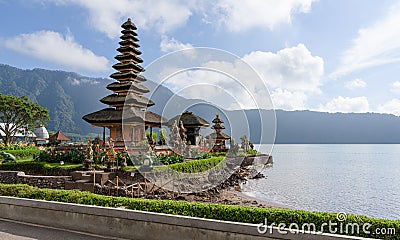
{"points": [[20, 134]]}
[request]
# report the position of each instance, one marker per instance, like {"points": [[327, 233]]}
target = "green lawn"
{"points": [[65, 165], [130, 168], [25, 159]]}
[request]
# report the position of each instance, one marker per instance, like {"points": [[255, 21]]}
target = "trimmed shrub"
{"points": [[197, 165], [211, 211], [38, 168], [172, 158]]}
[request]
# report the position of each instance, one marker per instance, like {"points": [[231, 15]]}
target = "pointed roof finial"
{"points": [[129, 25]]}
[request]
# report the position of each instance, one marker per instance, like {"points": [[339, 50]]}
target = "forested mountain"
{"points": [[69, 96]]}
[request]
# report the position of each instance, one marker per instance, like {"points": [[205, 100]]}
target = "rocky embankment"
{"points": [[218, 186]]}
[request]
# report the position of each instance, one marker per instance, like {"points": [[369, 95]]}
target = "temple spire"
{"points": [[127, 94]]}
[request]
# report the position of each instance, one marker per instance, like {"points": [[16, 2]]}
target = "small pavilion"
{"points": [[58, 138], [218, 138], [192, 123]]}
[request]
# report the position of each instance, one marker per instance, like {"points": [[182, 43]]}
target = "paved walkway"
{"points": [[11, 230]]}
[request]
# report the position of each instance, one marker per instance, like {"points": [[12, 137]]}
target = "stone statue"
{"points": [[175, 139], [110, 155], [182, 131], [87, 162], [245, 143], [89, 152], [203, 143]]}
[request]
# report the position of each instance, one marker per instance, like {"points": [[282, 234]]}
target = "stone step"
{"points": [[86, 177], [70, 185], [88, 187], [77, 175], [80, 184], [102, 177]]}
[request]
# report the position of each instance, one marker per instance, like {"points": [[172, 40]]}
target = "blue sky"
{"points": [[326, 55]]}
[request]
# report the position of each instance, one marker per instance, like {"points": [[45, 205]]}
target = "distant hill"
{"points": [[69, 96], [319, 127]]}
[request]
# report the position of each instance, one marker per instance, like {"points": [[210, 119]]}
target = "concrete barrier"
{"points": [[130, 224]]}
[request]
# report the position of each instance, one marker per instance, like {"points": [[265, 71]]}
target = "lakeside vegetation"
{"points": [[202, 210], [45, 168]]}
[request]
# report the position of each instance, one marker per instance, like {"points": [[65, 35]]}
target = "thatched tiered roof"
{"points": [[110, 115], [218, 127], [189, 120]]}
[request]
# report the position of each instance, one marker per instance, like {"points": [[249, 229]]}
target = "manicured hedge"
{"points": [[197, 165], [23, 153], [202, 210], [38, 168]]}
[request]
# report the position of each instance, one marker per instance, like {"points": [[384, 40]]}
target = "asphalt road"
{"points": [[11, 230]]}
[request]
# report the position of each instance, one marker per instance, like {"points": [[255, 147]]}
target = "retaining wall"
{"points": [[17, 177]]}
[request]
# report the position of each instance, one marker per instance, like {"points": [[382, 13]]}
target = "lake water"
{"points": [[352, 178]]}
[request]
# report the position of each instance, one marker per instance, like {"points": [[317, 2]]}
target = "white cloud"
{"points": [[284, 99], [346, 105], [291, 74], [107, 15], [375, 45], [390, 107], [55, 48], [171, 44], [356, 83], [165, 16], [395, 87], [242, 15], [294, 68], [84, 81], [217, 88]]}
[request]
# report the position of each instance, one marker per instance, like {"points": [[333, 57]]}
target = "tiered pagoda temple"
{"points": [[127, 117], [218, 137]]}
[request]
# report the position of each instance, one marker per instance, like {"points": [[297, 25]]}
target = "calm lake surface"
{"points": [[352, 178]]}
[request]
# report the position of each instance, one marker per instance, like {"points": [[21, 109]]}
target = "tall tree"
{"points": [[19, 113]]}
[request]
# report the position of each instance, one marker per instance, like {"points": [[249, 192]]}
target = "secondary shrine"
{"points": [[192, 123], [218, 138]]}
